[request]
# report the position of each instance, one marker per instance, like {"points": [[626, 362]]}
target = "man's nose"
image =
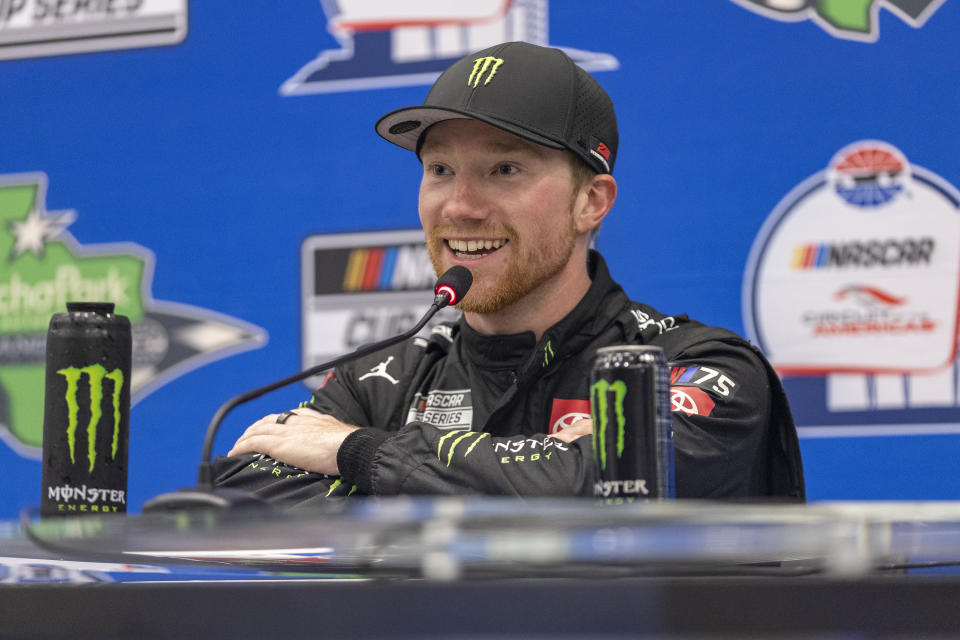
{"points": [[466, 201]]}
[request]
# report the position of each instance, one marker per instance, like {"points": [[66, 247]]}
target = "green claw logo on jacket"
{"points": [[42, 266], [848, 19]]}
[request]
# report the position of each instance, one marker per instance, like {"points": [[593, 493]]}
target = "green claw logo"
{"points": [[848, 19], [547, 353], [42, 266], [96, 374], [599, 391]]}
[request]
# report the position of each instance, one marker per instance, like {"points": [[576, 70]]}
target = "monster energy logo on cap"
{"points": [[486, 65], [96, 375]]}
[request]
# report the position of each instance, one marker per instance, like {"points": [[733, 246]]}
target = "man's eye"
{"points": [[506, 169], [439, 170]]}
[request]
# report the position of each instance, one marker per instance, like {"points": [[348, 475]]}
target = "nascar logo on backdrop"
{"points": [[30, 28], [358, 288], [854, 279], [385, 43], [42, 266], [847, 19]]}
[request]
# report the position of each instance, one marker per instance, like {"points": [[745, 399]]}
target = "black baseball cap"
{"points": [[536, 93]]}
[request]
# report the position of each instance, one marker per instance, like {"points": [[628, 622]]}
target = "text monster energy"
{"points": [[96, 374], [86, 417]]}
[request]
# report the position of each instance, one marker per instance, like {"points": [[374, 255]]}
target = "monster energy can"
{"points": [[632, 424], [86, 415]]}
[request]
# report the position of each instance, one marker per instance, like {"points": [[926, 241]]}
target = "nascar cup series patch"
{"points": [[857, 270]]}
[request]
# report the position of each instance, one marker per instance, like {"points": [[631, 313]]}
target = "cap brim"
{"points": [[409, 136]]}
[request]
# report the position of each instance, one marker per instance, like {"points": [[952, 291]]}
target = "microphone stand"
{"points": [[205, 495]]}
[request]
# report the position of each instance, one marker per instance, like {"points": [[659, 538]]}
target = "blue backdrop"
{"points": [[189, 149]]}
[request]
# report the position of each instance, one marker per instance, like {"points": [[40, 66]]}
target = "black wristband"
{"points": [[356, 456]]}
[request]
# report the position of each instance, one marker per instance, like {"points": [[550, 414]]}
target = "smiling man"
{"points": [[511, 212], [517, 145]]}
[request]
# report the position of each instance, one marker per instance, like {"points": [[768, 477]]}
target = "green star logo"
{"points": [[847, 19], [42, 266]]}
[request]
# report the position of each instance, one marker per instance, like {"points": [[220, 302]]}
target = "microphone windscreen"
{"points": [[455, 282]]}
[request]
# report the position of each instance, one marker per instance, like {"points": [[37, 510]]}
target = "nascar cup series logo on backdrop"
{"points": [[358, 288], [856, 273], [386, 43], [847, 19], [30, 28], [42, 266]]}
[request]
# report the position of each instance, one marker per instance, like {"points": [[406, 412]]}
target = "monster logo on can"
{"points": [[87, 408], [598, 400], [628, 393]]}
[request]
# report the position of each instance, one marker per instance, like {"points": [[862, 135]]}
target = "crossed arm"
{"points": [[310, 440]]}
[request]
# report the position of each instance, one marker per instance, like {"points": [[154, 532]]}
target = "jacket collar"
{"points": [[603, 301], [501, 351]]}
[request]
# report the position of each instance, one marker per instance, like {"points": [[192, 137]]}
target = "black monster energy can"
{"points": [[632, 424], [86, 416]]}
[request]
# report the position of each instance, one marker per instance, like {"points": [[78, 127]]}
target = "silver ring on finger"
{"points": [[284, 416]]}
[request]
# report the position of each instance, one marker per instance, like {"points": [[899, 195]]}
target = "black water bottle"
{"points": [[86, 418]]}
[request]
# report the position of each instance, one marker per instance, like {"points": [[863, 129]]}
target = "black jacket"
{"points": [[465, 413]]}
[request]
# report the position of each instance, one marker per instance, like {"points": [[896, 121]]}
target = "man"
{"points": [[518, 145]]}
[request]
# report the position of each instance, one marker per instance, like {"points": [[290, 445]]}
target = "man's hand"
{"points": [[579, 428], [308, 439]]}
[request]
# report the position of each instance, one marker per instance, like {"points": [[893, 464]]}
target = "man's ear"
{"points": [[595, 200]]}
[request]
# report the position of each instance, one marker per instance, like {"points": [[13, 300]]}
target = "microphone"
{"points": [[453, 284], [449, 290]]}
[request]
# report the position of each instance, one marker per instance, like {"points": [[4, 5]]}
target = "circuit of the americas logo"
{"points": [[852, 291], [847, 19], [385, 43], [97, 375], [600, 391], [42, 266]]}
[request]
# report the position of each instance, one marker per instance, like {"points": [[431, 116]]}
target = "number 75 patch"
{"points": [[712, 380]]}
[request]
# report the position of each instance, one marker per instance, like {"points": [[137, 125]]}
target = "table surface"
{"points": [[454, 566]]}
